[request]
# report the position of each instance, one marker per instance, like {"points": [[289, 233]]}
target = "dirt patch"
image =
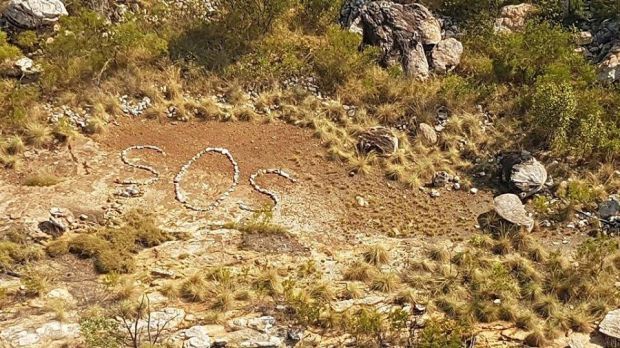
{"points": [[281, 243]]}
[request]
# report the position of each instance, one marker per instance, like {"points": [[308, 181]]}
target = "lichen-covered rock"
{"points": [[32, 14], [609, 68], [380, 140], [513, 17], [446, 55], [510, 208]]}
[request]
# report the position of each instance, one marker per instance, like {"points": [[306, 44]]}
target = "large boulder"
{"points": [[514, 17], [446, 55], [609, 67], [380, 140], [32, 14], [523, 173], [510, 208]]}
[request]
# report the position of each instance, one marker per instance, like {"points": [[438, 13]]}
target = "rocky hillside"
{"points": [[309, 173]]}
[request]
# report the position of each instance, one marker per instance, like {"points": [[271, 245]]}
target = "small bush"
{"points": [[112, 249], [42, 179], [338, 59]]}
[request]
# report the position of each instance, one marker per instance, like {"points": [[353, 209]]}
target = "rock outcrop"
{"points": [[405, 32], [33, 14]]}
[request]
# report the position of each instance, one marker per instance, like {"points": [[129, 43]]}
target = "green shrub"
{"points": [[554, 109], [112, 249], [316, 15], [27, 39], [338, 59], [541, 49], [473, 12], [276, 57], [7, 51], [101, 332], [440, 334], [572, 120], [89, 48], [604, 9]]}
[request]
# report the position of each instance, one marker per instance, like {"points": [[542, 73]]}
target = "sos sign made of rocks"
{"points": [[178, 190]]}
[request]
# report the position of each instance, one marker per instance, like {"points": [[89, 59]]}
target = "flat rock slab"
{"points": [[510, 208]]}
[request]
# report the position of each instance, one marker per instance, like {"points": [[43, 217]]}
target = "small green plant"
{"points": [[100, 332]]}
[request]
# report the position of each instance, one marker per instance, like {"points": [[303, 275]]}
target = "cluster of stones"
{"points": [[132, 108], [308, 83], [274, 197], [125, 159], [78, 119], [180, 194]]}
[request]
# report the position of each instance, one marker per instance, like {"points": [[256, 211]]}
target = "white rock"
{"points": [[473, 190], [197, 337], [361, 201], [61, 294], [513, 17], [446, 55], [32, 14]]}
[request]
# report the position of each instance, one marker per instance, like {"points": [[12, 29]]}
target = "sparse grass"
{"points": [[113, 249], [59, 307], [353, 290], [35, 281], [376, 255], [42, 179], [439, 254], [14, 145], [362, 164], [224, 298], [359, 271], [385, 282], [38, 134], [16, 254], [194, 288], [536, 339], [269, 280]]}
